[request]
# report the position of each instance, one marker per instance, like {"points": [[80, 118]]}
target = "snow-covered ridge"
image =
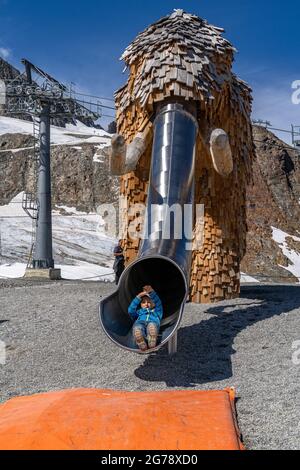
{"points": [[69, 135]]}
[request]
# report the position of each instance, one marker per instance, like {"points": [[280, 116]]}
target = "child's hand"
{"points": [[148, 289], [141, 294]]}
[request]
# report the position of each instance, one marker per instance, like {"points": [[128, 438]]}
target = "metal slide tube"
{"points": [[164, 258]]}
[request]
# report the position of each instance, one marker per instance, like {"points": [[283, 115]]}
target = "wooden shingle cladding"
{"points": [[183, 57]]}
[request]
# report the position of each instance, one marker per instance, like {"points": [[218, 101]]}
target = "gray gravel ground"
{"points": [[53, 341]]}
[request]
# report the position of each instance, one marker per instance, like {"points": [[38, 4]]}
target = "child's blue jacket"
{"points": [[146, 314]]}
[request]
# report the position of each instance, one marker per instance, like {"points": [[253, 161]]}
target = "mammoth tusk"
{"points": [[117, 154], [134, 152], [221, 153], [124, 158]]}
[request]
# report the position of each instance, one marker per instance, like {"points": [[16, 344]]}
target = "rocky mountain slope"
{"points": [[79, 156], [273, 243], [8, 71]]}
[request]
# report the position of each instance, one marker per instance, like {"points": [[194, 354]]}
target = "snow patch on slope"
{"points": [[245, 278], [83, 272], [279, 236], [12, 271], [69, 135], [79, 242]]}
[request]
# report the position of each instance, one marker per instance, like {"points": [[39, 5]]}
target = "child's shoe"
{"points": [[140, 340], [152, 335]]}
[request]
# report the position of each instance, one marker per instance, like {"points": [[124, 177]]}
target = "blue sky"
{"points": [[82, 41]]}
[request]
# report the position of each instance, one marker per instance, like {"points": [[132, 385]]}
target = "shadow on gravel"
{"points": [[204, 350]]}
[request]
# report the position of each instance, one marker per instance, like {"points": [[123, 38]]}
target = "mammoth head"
{"points": [[181, 58]]}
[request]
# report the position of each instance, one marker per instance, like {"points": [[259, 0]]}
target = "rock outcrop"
{"points": [[80, 174], [273, 200]]}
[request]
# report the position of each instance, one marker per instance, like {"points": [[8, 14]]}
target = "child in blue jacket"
{"points": [[146, 309]]}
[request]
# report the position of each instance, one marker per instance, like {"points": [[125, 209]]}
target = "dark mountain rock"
{"points": [[112, 127], [80, 174], [273, 200]]}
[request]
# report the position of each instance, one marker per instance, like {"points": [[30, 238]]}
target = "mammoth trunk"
{"points": [[165, 254]]}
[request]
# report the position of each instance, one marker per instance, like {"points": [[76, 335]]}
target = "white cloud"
{"points": [[4, 52], [273, 102]]}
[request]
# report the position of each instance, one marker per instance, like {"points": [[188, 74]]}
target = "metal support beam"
{"points": [[28, 71], [43, 257]]}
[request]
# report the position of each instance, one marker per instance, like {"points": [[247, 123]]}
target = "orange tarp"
{"points": [[109, 420]]}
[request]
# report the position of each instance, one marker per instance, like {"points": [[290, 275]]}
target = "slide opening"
{"points": [[167, 280], [163, 275]]}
